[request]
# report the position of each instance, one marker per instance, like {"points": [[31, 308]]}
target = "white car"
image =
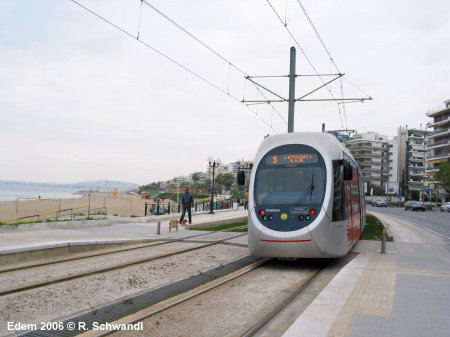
{"points": [[445, 207]]}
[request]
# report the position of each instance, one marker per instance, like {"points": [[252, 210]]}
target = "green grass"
{"points": [[224, 227], [373, 229]]}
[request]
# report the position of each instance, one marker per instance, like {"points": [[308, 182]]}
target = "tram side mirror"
{"points": [[348, 171], [241, 178]]}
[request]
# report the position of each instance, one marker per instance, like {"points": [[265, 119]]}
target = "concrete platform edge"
{"points": [[319, 317]]}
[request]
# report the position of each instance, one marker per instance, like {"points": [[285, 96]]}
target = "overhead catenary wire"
{"points": [[169, 59], [304, 54], [318, 35], [332, 62], [140, 17], [331, 59], [223, 58]]}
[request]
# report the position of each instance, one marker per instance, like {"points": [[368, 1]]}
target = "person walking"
{"points": [[187, 200]]}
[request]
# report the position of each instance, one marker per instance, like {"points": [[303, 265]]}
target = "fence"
{"points": [[173, 207], [66, 214]]}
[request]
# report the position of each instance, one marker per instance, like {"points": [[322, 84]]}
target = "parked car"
{"points": [[414, 206], [445, 207], [379, 203]]}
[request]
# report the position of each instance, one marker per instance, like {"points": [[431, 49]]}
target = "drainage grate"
{"points": [[131, 305]]}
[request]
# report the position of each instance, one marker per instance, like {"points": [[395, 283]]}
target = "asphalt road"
{"points": [[437, 221]]}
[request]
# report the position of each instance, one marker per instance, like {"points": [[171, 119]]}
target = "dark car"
{"points": [[379, 203], [414, 206]]}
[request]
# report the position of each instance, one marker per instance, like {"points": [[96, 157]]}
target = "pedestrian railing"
{"points": [[63, 214], [172, 207]]}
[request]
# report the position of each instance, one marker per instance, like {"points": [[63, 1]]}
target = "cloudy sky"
{"points": [[81, 100]]}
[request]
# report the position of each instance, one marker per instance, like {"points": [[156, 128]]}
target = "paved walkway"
{"points": [[120, 232], [405, 292]]}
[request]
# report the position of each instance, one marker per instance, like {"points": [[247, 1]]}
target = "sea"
{"points": [[11, 191]]}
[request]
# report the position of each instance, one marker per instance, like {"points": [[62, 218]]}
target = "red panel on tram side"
{"points": [[348, 204], [355, 206]]}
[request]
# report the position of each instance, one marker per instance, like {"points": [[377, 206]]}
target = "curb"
{"points": [[386, 226]]}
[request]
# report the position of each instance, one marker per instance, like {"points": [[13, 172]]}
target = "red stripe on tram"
{"points": [[285, 240]]}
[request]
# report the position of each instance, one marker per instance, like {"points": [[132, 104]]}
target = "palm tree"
{"points": [[196, 178]]}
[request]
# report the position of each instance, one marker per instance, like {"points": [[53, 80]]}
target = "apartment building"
{"points": [[411, 159], [393, 184], [438, 140], [371, 151]]}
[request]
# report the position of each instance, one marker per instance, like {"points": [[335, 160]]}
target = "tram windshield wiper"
{"points": [[309, 189]]}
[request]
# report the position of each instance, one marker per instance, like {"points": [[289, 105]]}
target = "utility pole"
{"points": [[291, 100]]}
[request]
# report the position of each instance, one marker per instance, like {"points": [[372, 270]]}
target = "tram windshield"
{"points": [[290, 184]]}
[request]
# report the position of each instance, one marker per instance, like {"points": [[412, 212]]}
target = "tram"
{"points": [[306, 197]]}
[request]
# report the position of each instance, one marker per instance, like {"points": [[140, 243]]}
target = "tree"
{"points": [[154, 186], [208, 185], [443, 175], [226, 180], [195, 178]]}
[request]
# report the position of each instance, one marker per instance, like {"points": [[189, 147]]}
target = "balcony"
{"points": [[440, 133], [439, 156], [417, 182], [439, 121], [437, 110], [438, 144], [413, 136]]}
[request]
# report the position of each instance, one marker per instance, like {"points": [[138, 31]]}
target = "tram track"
{"points": [[36, 285], [286, 296], [177, 300], [155, 242]]}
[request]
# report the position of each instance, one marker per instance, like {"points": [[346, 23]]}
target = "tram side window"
{"points": [[339, 210]]}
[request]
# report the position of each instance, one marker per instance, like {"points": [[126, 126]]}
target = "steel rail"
{"points": [[107, 269], [154, 243], [171, 302], [295, 290]]}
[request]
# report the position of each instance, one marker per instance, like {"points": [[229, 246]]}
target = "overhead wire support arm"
{"points": [[319, 75], [262, 102], [268, 90], [268, 76], [323, 85], [336, 99]]}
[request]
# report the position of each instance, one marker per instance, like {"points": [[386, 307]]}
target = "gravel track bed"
{"points": [[64, 300], [223, 310], [52, 271]]}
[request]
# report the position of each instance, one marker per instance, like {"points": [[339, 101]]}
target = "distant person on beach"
{"points": [[187, 201]]}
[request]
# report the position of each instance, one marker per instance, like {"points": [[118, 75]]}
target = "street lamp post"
{"points": [[213, 164]]}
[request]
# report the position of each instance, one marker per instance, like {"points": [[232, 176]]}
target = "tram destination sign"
{"points": [[296, 158]]}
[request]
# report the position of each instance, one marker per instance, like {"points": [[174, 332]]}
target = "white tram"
{"points": [[306, 197]]}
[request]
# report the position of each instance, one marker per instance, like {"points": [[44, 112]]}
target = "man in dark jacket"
{"points": [[187, 201]]}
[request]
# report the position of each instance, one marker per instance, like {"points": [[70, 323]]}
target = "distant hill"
{"points": [[96, 185]]}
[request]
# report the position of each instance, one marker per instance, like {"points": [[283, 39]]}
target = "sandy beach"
{"points": [[123, 205]]}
